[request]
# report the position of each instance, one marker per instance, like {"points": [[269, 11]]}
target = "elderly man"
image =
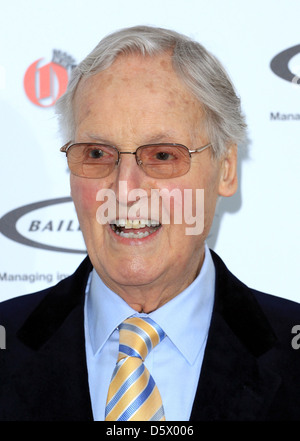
{"points": [[152, 326]]}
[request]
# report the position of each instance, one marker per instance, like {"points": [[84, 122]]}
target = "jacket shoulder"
{"points": [[273, 305], [15, 311], [283, 314], [241, 304]]}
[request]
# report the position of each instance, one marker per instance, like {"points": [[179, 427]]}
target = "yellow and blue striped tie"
{"points": [[133, 394]]}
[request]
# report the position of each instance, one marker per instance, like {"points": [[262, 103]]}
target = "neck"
{"points": [[150, 296]]}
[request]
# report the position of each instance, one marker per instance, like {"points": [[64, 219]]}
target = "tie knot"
{"points": [[138, 336]]}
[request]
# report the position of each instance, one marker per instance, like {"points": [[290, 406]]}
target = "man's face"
{"points": [[138, 101]]}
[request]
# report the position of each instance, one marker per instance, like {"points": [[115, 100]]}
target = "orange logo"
{"points": [[45, 84]]}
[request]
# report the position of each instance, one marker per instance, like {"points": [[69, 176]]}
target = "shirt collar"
{"points": [[190, 312]]}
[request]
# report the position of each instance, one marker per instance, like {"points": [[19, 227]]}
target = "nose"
{"points": [[129, 180]]}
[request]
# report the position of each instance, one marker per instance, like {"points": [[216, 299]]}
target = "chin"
{"points": [[133, 272]]}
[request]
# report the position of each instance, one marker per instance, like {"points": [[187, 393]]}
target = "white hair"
{"points": [[201, 72]]}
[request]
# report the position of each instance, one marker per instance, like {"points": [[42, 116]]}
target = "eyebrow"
{"points": [[96, 138]]}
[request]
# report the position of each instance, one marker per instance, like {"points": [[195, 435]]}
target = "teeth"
{"points": [[120, 223], [136, 223], [133, 235]]}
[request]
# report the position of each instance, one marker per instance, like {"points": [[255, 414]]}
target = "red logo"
{"points": [[45, 84]]}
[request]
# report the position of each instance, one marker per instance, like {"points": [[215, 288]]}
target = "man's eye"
{"points": [[96, 154], [164, 156]]}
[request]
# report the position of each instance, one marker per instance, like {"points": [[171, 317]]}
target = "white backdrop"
{"points": [[256, 232]]}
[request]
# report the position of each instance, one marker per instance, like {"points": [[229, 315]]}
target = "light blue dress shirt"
{"points": [[175, 364]]}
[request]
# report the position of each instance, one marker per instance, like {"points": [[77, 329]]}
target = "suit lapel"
{"points": [[55, 359], [234, 383]]}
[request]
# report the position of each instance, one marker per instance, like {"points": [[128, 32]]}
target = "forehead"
{"points": [[134, 83]]}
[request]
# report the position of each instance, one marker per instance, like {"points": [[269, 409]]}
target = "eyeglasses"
{"points": [[95, 160]]}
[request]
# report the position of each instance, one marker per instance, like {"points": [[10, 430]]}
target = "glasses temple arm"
{"points": [[201, 148]]}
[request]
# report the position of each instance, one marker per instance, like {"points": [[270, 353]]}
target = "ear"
{"points": [[228, 176]]}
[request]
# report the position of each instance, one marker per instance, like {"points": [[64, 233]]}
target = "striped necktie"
{"points": [[133, 394]]}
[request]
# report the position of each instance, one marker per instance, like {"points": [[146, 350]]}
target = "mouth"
{"points": [[135, 229]]}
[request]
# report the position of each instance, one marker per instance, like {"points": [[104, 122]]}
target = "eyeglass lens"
{"points": [[158, 161]]}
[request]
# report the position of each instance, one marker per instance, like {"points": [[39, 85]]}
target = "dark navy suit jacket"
{"points": [[250, 371]]}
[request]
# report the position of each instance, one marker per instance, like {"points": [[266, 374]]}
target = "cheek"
{"points": [[171, 202], [83, 192], [194, 199]]}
